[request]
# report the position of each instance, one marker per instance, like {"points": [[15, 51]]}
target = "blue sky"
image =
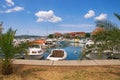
{"points": [[42, 17]]}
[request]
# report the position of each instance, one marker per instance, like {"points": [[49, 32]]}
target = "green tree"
{"points": [[87, 35], [8, 50], [50, 36], [66, 36]]}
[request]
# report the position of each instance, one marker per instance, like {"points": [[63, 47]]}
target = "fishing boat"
{"points": [[57, 54]]}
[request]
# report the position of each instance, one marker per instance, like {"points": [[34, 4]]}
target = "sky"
{"points": [[43, 17]]}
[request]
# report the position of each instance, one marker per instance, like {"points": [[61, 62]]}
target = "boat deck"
{"points": [[57, 53], [68, 62]]}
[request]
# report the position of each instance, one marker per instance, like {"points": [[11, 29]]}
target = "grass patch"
{"points": [[28, 72], [97, 74]]}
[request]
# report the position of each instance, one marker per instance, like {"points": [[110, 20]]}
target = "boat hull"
{"points": [[57, 56], [33, 57]]}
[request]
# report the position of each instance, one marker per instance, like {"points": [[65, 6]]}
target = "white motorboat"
{"points": [[35, 52], [57, 54], [89, 43], [82, 41], [49, 41]]}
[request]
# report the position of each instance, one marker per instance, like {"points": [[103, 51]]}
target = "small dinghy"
{"points": [[57, 54]]}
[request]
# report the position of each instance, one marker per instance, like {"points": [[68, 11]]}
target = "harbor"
{"points": [[59, 40], [42, 48]]}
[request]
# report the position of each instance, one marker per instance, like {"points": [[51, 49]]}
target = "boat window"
{"points": [[36, 46]]}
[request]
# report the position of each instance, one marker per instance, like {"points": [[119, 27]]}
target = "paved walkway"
{"points": [[68, 62]]}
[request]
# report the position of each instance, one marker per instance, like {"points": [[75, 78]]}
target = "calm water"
{"points": [[73, 51]]}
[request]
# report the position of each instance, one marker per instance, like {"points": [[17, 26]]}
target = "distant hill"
{"points": [[28, 36]]}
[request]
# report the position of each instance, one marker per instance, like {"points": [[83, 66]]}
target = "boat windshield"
{"points": [[34, 46]]}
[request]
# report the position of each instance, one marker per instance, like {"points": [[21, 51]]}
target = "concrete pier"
{"points": [[67, 62]]}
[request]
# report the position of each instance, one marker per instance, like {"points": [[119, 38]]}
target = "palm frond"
{"points": [[117, 15]]}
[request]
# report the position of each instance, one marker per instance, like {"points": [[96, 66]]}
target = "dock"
{"points": [[67, 62]]}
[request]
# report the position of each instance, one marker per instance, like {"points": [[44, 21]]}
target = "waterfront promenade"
{"points": [[67, 62]]}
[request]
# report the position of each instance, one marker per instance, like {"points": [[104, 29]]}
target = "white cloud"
{"points": [[10, 2], [101, 17], [90, 14], [47, 16], [15, 9]]}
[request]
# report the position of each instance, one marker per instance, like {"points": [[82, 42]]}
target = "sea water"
{"points": [[73, 51]]}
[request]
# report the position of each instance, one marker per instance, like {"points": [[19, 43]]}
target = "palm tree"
{"points": [[117, 15], [1, 27], [107, 25], [109, 38], [8, 50]]}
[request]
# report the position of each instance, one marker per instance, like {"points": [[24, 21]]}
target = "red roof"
{"points": [[58, 34], [40, 41], [97, 30], [77, 33]]}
